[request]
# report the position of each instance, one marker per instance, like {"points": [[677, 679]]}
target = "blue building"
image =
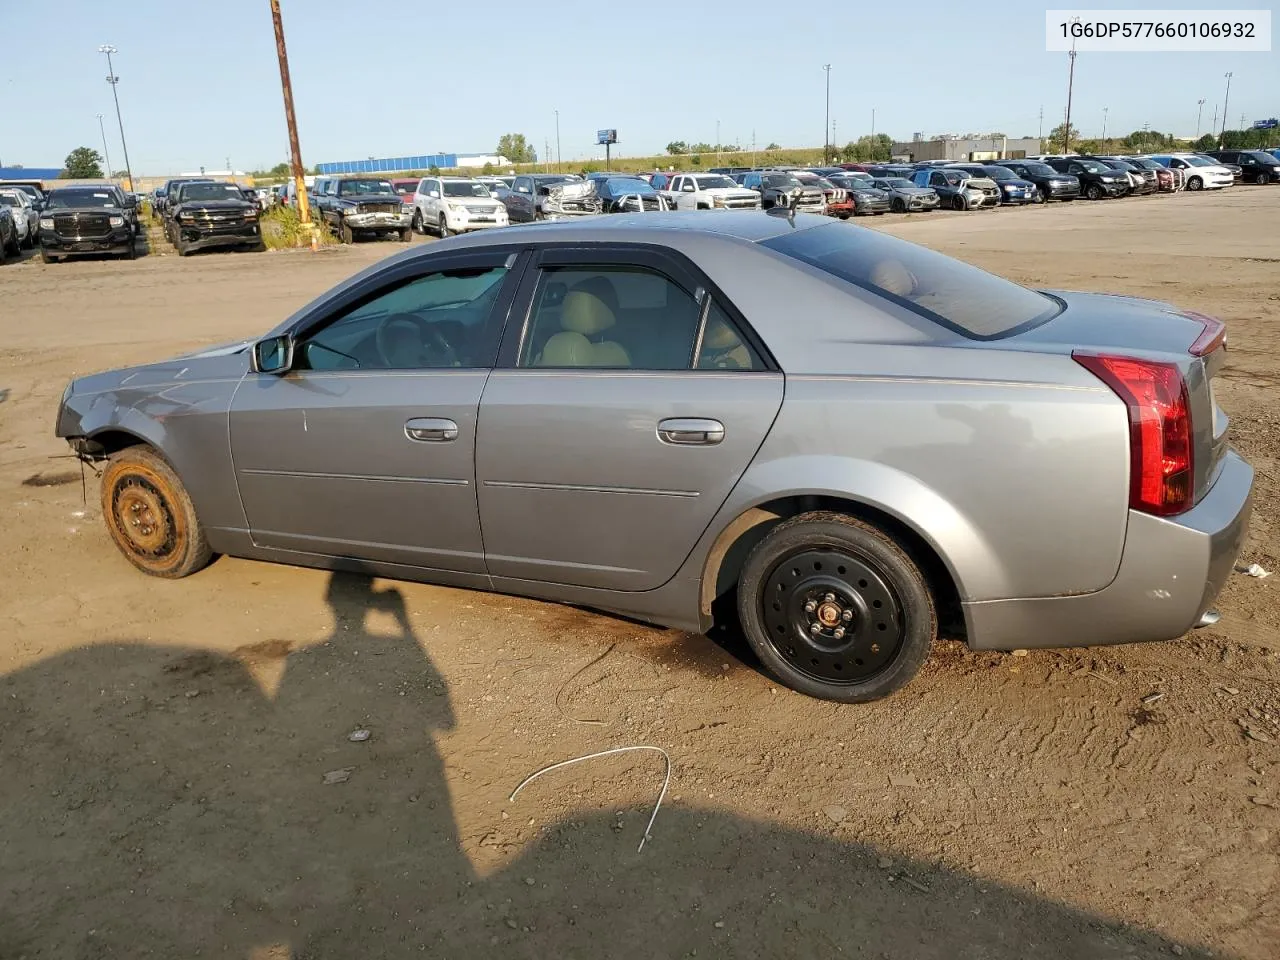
{"points": [[445, 161], [30, 173]]}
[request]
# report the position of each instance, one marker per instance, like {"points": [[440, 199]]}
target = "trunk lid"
{"points": [[1148, 329]]}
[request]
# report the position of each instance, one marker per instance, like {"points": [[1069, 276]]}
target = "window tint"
{"points": [[943, 290], [625, 317], [723, 347], [442, 320], [938, 180]]}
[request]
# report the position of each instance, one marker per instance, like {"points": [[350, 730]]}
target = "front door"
{"points": [[621, 416], [366, 447]]}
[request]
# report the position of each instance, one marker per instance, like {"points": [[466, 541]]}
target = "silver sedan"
{"points": [[840, 440]]}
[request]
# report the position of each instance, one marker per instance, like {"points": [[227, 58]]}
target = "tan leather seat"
{"points": [[583, 317], [722, 348]]}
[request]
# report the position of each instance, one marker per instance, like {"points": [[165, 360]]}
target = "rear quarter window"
{"points": [[948, 292]]}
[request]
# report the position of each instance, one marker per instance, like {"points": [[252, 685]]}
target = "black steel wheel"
{"points": [[836, 608]]}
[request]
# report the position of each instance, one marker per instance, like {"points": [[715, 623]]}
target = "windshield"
{"points": [[946, 291], [620, 185], [898, 183], [1199, 161], [996, 173], [66, 199], [467, 188], [780, 180], [1264, 158], [1120, 165], [808, 179], [1093, 166], [30, 190], [1144, 163], [714, 183], [209, 191], [351, 188], [1040, 170], [550, 178], [406, 188], [9, 200]]}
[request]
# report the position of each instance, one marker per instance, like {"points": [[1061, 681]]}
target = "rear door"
{"points": [[623, 411]]}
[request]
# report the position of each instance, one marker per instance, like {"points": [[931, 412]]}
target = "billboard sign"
{"points": [[606, 136]]}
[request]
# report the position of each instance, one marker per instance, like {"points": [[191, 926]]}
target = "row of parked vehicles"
{"points": [[92, 218]]}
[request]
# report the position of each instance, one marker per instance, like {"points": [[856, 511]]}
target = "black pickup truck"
{"points": [[206, 213], [84, 220]]}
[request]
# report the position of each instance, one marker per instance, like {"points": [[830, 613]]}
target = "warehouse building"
{"points": [[967, 149], [444, 161]]}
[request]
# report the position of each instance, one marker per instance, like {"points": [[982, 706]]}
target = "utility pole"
{"points": [[559, 155], [1225, 100], [1040, 135], [826, 121], [1199, 112], [112, 79], [834, 139], [105, 152], [295, 152], [873, 122], [717, 142], [1215, 118], [1071, 77], [1104, 129], [753, 148]]}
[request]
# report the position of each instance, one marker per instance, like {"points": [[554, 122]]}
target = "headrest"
{"points": [[719, 335], [566, 349], [585, 313], [892, 277]]}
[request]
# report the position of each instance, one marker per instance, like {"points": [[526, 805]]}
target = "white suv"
{"points": [[709, 191], [1200, 173], [448, 205]]}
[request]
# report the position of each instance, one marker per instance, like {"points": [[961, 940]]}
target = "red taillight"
{"points": [[1160, 443], [1211, 337]]}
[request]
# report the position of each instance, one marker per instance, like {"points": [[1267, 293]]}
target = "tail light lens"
{"points": [[1160, 443], [1211, 338]]}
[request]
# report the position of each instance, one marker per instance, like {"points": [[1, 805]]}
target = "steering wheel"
{"points": [[405, 341]]}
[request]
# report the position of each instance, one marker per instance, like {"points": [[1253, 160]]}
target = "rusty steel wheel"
{"points": [[150, 517]]}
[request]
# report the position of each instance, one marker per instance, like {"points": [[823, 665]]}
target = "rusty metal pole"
{"points": [[299, 174]]}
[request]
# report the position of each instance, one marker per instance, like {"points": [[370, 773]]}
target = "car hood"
{"points": [[212, 363], [874, 192], [981, 183], [374, 198], [225, 206], [110, 211], [913, 191], [738, 193]]}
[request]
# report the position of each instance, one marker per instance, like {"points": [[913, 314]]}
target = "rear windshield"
{"points": [[949, 292]]}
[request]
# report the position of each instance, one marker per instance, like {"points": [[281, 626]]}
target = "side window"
{"points": [[422, 187], [722, 347], [1075, 168], [938, 180], [624, 317], [439, 321], [522, 185]]}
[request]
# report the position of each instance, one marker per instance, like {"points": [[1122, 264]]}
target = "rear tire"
{"points": [[150, 517], [836, 608]]}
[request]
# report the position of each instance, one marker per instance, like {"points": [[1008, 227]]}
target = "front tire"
{"points": [[1261, 179], [416, 226], [899, 205], [45, 256], [1195, 183], [1093, 192], [442, 227], [150, 517], [836, 608], [346, 233], [959, 203], [406, 235]]}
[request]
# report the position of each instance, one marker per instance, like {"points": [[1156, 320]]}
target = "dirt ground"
{"points": [[164, 745]]}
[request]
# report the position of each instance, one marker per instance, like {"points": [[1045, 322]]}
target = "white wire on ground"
{"points": [[666, 780]]}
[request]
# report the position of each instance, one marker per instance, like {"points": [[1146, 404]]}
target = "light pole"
{"points": [[1104, 129], [1071, 76], [826, 120], [559, 156], [1199, 112], [112, 79], [717, 141], [106, 154], [1225, 100]]}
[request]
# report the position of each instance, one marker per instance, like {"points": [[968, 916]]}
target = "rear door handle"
{"points": [[690, 431], [431, 429]]}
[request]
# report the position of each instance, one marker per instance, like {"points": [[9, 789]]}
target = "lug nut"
{"points": [[830, 598], [815, 628], [847, 616], [839, 633], [810, 606]]}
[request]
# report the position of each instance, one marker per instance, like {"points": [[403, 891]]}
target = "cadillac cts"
{"points": [[844, 440]]}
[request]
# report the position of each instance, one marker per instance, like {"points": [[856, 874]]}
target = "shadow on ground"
{"points": [[185, 812]]}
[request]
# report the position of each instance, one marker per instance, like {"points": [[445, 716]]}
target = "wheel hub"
{"points": [[144, 518], [832, 615]]}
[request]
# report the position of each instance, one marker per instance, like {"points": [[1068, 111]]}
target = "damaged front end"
{"points": [[574, 199]]}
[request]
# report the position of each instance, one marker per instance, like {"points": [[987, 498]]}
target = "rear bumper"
{"points": [[1170, 572]]}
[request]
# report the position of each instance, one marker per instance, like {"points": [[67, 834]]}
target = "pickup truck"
{"points": [[708, 191], [778, 188], [352, 205]]}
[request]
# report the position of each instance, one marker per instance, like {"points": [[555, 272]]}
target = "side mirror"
{"points": [[273, 355]]}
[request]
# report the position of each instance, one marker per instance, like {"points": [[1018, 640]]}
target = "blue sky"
{"points": [[199, 81]]}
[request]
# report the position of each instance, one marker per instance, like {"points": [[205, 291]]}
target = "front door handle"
{"points": [[431, 429], [690, 431]]}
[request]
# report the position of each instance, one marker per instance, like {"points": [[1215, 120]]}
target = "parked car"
{"points": [[1201, 173], [32, 188], [9, 244], [530, 194], [166, 191], [839, 203], [863, 192], [1014, 190], [84, 220], [1141, 180], [1050, 184], [706, 191], [451, 205], [905, 196], [949, 448], [208, 213], [23, 212], [1167, 179], [405, 188], [958, 189], [778, 188], [1257, 166], [353, 206], [627, 194], [1097, 180]]}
